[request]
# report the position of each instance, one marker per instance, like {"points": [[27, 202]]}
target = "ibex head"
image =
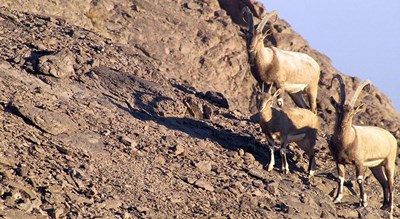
{"points": [[346, 111], [257, 36], [266, 99]]}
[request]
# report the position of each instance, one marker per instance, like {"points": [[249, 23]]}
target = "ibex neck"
{"points": [[266, 113], [344, 132], [261, 59]]}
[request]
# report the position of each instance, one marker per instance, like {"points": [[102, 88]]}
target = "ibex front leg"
{"points": [[271, 145], [341, 173], [285, 165], [360, 172]]}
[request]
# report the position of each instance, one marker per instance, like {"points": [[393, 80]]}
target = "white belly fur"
{"points": [[294, 88], [373, 163]]}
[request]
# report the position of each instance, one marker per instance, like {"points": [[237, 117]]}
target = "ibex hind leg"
{"points": [[312, 100], [298, 99], [389, 172], [311, 165], [379, 174]]}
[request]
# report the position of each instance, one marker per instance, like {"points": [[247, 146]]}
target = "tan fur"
{"points": [[289, 125], [362, 146], [284, 69]]}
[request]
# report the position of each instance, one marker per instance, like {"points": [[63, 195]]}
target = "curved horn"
{"points": [[246, 13], [265, 20], [358, 91], [342, 90], [270, 87]]}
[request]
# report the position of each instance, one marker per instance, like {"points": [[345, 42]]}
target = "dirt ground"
{"points": [[140, 109]]}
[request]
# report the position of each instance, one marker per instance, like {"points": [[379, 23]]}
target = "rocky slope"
{"points": [[126, 109]]}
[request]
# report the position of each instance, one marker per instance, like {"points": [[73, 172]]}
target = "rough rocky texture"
{"points": [[153, 119]]}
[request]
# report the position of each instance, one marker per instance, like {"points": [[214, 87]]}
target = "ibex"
{"points": [[288, 125], [293, 72], [362, 146]]}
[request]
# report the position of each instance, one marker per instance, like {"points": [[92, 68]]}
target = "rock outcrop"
{"points": [[129, 109]]}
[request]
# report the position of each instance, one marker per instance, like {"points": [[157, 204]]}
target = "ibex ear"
{"points": [[277, 93], [360, 108]]}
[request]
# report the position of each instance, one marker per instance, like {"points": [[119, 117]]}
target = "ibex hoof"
{"points": [[337, 200], [363, 204], [385, 207], [270, 167]]}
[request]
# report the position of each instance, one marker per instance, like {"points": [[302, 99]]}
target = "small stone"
{"points": [[136, 152], [241, 152], [249, 157], [272, 188], [160, 160], [189, 179], [142, 209], [260, 174], [204, 166], [207, 111], [194, 108], [347, 213], [112, 204], [79, 183], [193, 6], [22, 170], [127, 141], [31, 194], [257, 192], [91, 192], [176, 200], [217, 98], [25, 206], [39, 149], [204, 185], [105, 132], [178, 149], [241, 123], [75, 198], [63, 150], [58, 212]]}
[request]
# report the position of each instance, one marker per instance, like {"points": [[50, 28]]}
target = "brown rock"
{"points": [[52, 122], [193, 6], [178, 149], [347, 213], [208, 112], [204, 185], [204, 166], [127, 141], [58, 65], [112, 204]]}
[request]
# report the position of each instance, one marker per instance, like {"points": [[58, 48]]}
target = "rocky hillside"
{"points": [[130, 109]]}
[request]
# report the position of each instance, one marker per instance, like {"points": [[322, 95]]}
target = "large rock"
{"points": [[59, 64]]}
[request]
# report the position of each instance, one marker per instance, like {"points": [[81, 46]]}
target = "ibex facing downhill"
{"points": [[293, 72]]}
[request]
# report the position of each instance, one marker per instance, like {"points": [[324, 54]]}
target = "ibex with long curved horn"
{"points": [[293, 72], [362, 146]]}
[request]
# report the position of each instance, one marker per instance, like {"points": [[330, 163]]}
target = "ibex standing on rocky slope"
{"points": [[288, 125], [293, 72], [362, 146]]}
